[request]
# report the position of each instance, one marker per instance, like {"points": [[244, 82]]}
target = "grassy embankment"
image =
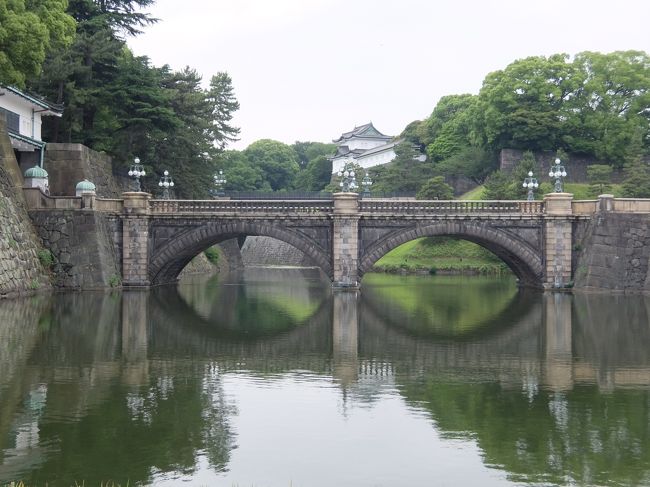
{"points": [[452, 256]]}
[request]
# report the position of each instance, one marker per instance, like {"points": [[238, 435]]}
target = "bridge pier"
{"points": [[345, 240], [135, 239], [345, 336], [558, 239]]}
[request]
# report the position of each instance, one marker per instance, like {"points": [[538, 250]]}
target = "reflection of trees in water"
{"points": [[255, 301], [178, 331], [444, 306], [164, 398], [22, 322], [582, 436], [97, 423], [160, 425]]}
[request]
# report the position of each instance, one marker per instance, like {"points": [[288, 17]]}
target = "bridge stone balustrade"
{"points": [[346, 235]]}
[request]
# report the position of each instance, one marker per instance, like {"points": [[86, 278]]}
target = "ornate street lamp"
{"points": [[558, 172], [531, 183], [137, 172], [348, 181], [219, 181], [366, 182], [165, 183]]}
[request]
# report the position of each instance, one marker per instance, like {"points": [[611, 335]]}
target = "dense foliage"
{"points": [[121, 104], [596, 105], [74, 53], [28, 29]]}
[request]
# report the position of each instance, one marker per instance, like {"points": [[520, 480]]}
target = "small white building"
{"points": [[23, 113], [365, 145]]}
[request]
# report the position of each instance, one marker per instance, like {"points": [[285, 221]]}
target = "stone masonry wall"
{"points": [[67, 164], [83, 244], [576, 166], [614, 253], [267, 251], [20, 268]]}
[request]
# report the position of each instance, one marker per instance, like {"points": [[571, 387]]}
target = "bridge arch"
{"points": [[168, 261], [524, 260]]}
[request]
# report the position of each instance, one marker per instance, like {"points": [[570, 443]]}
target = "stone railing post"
{"points": [[345, 240], [135, 239], [88, 200], [605, 202], [558, 239]]}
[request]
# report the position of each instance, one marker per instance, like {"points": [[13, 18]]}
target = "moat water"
{"points": [[269, 378]]}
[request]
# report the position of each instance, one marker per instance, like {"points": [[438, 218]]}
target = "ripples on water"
{"points": [[270, 378]]}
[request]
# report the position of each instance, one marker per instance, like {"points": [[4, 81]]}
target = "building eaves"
{"points": [[50, 108], [27, 140]]}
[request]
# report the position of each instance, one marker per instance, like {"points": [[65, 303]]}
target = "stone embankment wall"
{"points": [[576, 166], [267, 251], [199, 265], [20, 268], [67, 164], [614, 253], [85, 245]]}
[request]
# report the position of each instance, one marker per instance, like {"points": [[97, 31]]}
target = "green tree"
{"points": [[599, 177], [239, 173], [135, 112], [448, 130], [182, 130], [526, 164], [499, 186], [221, 97], [522, 106], [403, 174], [412, 134], [435, 189], [316, 175], [636, 183], [80, 75], [277, 161], [471, 162], [308, 151], [610, 116], [28, 29], [121, 16]]}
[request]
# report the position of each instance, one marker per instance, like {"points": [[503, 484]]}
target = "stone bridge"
{"points": [[344, 236]]}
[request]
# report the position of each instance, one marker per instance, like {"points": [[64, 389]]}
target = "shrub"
{"points": [[212, 255], [114, 281], [46, 258]]}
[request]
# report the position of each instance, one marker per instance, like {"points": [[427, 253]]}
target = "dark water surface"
{"points": [[271, 379]]}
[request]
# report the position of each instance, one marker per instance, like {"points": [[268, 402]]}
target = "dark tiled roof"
{"points": [[368, 130]]}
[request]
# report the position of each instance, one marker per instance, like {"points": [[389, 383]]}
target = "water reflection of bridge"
{"points": [[140, 342], [349, 336]]}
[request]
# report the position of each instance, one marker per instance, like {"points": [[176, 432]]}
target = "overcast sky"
{"points": [[311, 69]]}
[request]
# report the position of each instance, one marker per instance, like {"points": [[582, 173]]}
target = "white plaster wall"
{"points": [[363, 143], [23, 108], [376, 159], [339, 163], [364, 162]]}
